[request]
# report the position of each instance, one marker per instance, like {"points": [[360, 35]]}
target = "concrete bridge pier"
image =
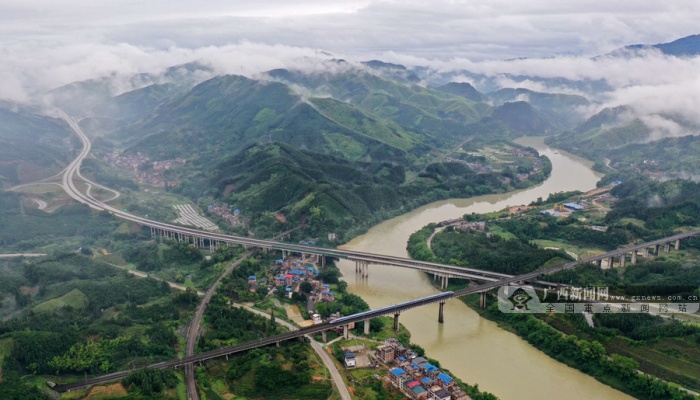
{"points": [[324, 337], [367, 327], [482, 300], [441, 313], [610, 262], [667, 247], [153, 232], [645, 252], [634, 257], [277, 343], [323, 262], [678, 244], [623, 260], [346, 333], [396, 322], [656, 249], [599, 263]]}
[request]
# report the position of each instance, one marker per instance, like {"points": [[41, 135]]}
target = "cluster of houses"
{"points": [[414, 376], [291, 273], [167, 164], [151, 176], [223, 210]]}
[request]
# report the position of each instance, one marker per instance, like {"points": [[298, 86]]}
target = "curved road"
{"points": [[68, 184], [501, 279]]}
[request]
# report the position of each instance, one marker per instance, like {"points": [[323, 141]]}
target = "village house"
{"points": [[385, 354], [397, 376], [439, 393], [349, 359], [327, 296]]}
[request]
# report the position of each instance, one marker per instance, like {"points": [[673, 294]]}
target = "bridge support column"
{"points": [[367, 327], [634, 257], [323, 262], [623, 260], [441, 313], [153, 232], [226, 357], [324, 337], [645, 252], [482, 300], [396, 322], [678, 244], [610, 262], [667, 247], [600, 263], [656, 249], [277, 344], [357, 267], [346, 333]]}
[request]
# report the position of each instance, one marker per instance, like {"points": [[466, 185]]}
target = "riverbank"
{"points": [[474, 349], [589, 357]]}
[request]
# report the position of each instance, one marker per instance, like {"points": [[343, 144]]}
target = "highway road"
{"points": [[194, 329], [500, 279], [69, 186], [389, 310]]}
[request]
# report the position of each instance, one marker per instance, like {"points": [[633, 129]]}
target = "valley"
{"points": [[357, 156]]}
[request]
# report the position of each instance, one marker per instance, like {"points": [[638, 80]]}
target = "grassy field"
{"points": [[75, 299], [672, 359]]}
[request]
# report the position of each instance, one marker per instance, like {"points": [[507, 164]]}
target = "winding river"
{"points": [[474, 349]]}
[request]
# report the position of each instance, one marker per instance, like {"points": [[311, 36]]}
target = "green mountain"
{"points": [[520, 117], [564, 111], [331, 193], [438, 115], [688, 46], [350, 144], [34, 146], [463, 89], [224, 114]]}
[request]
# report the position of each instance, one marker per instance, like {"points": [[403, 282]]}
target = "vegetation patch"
{"points": [[74, 299]]}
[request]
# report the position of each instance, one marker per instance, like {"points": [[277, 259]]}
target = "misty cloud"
{"points": [[46, 44]]}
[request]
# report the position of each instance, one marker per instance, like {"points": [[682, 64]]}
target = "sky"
{"points": [[48, 43]]}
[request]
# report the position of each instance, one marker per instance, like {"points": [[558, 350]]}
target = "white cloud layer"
{"points": [[48, 43]]}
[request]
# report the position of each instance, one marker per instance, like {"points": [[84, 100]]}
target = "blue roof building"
{"points": [[444, 378], [427, 381], [418, 390], [251, 277], [398, 371], [430, 368]]}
